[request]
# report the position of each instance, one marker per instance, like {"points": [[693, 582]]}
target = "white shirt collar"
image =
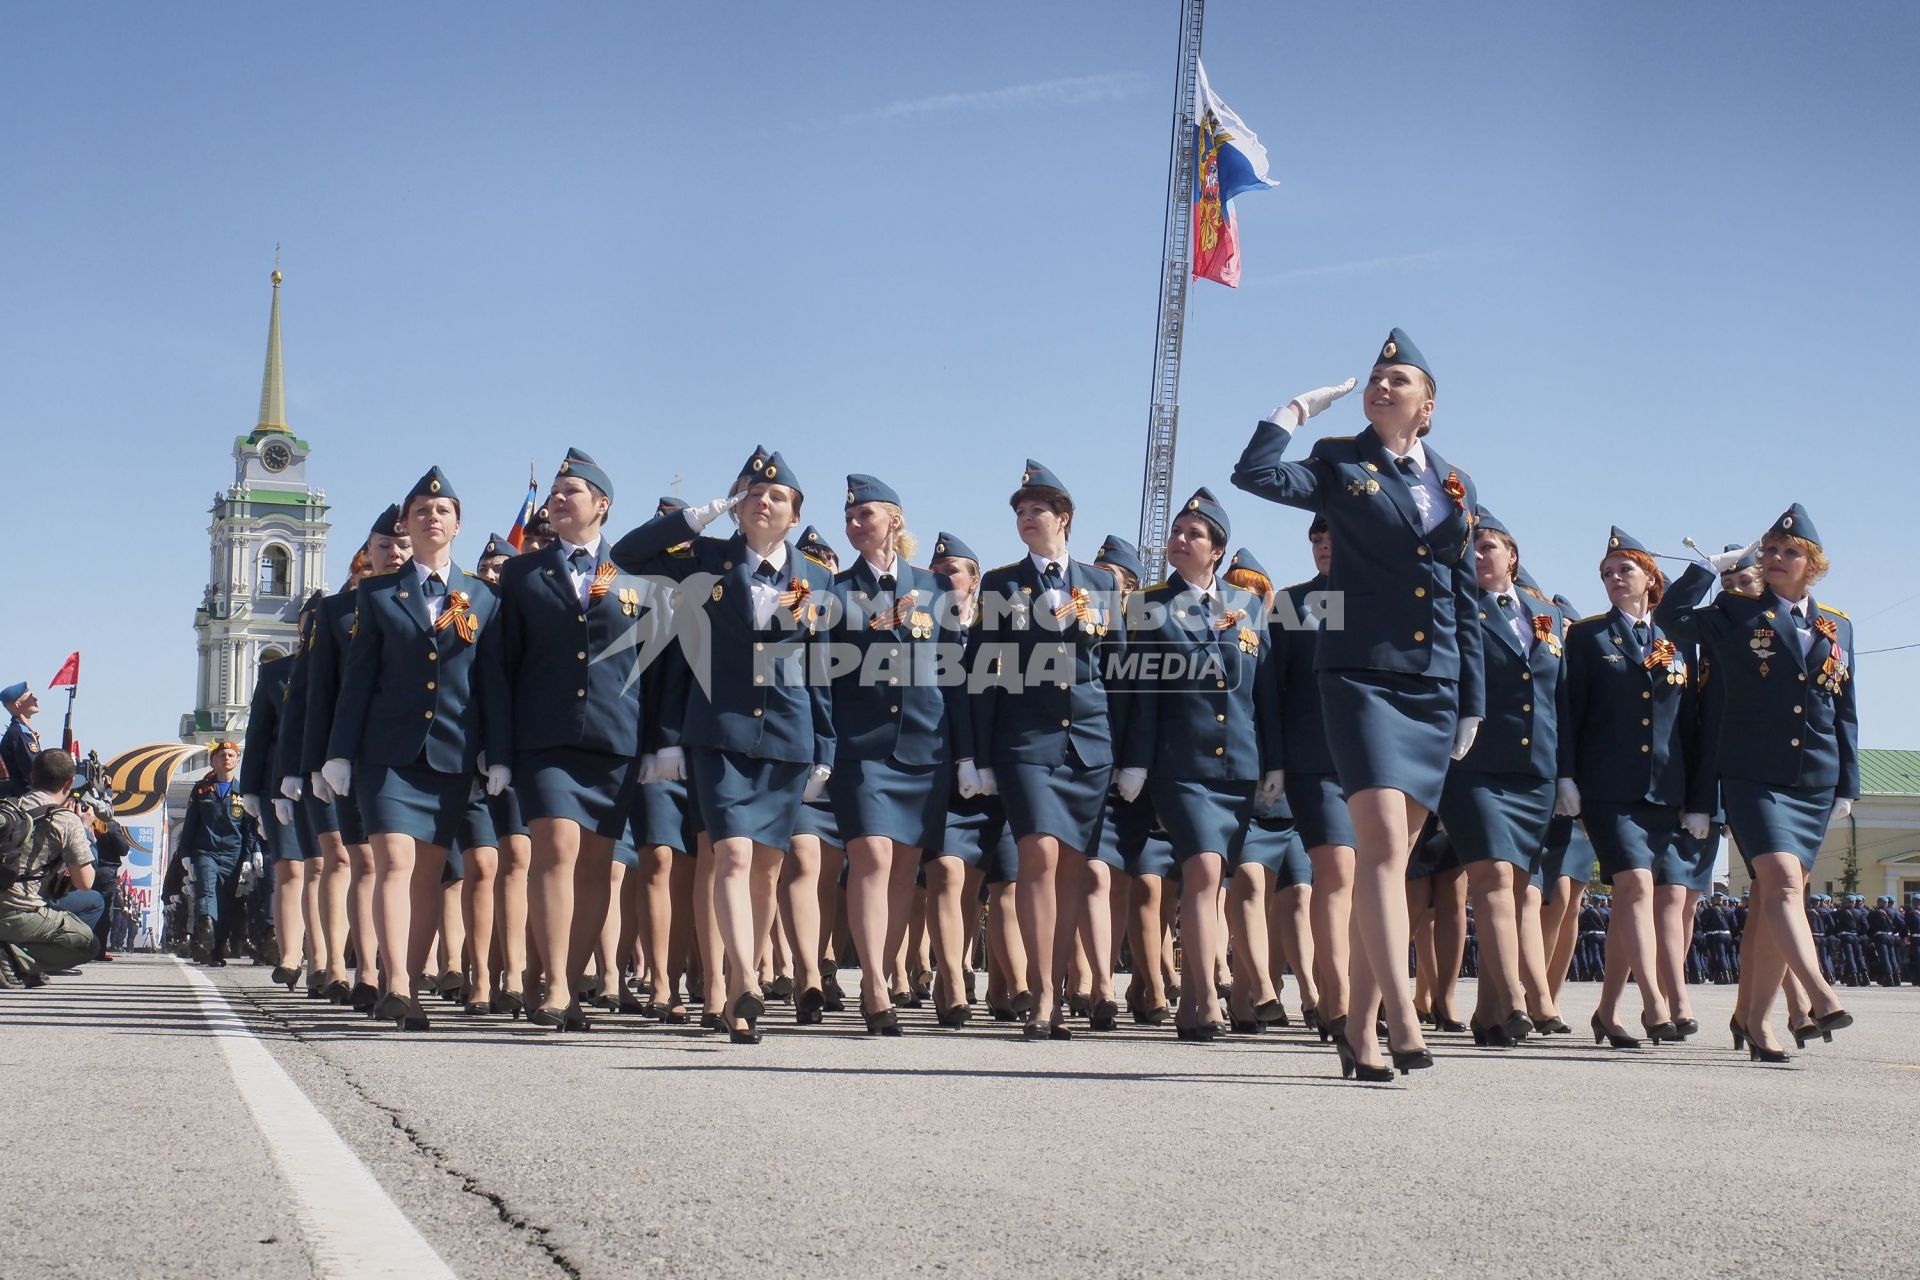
{"points": [[1632, 618], [778, 559], [568, 548], [1804, 605], [1418, 456], [1041, 562], [892, 566], [422, 573]]}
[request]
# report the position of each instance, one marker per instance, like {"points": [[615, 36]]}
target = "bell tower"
{"points": [[268, 549]]}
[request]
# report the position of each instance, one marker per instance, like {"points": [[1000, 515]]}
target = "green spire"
{"points": [[273, 395]]}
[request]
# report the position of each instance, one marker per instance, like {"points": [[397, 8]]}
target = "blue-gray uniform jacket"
{"points": [[264, 726], [1301, 745], [1525, 692], [1017, 720], [410, 692], [291, 736], [1626, 728], [1791, 720], [18, 747], [755, 702], [1206, 722], [1409, 595], [563, 691], [1710, 704], [890, 706], [212, 827], [321, 662]]}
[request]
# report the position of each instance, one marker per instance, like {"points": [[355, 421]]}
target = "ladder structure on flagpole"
{"points": [[1176, 277]]}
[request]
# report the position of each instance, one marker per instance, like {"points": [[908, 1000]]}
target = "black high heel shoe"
{"points": [[449, 986], [1444, 1023], [1686, 1027], [1740, 1034], [782, 988], [1615, 1039], [956, 1017], [1410, 1060], [836, 999], [1022, 1003], [1309, 1017], [884, 1023], [1661, 1031], [810, 1008], [1518, 1026], [1352, 1069], [1035, 1031], [712, 1022], [548, 1019], [285, 977], [1552, 1026], [1757, 1054], [574, 1020], [478, 1008], [1153, 1017], [1827, 1024], [1251, 1027], [1270, 1011], [363, 997], [748, 1009], [390, 1008], [1333, 1030], [338, 992], [1104, 1016], [1425, 1016], [1802, 1034], [509, 1002], [1079, 1006], [1490, 1037]]}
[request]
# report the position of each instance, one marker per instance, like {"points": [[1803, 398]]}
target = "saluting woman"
{"points": [[569, 735], [1499, 798], [1788, 754], [1400, 681], [1192, 734], [1625, 734], [409, 725], [810, 873], [892, 722], [758, 730], [1042, 732]]}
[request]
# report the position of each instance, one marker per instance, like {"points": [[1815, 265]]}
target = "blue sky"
{"points": [[1654, 252]]}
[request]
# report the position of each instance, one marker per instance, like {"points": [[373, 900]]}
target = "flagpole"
{"points": [[66, 731], [1176, 272]]}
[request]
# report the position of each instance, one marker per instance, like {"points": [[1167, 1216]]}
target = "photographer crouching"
{"points": [[44, 850]]}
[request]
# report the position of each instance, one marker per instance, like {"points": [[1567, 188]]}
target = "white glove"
{"points": [[252, 805], [318, 786], [1566, 799], [705, 514], [1308, 403], [967, 778], [649, 769], [290, 786], [1463, 735], [817, 784], [1128, 783], [1272, 784], [337, 773], [989, 785], [1842, 809], [1723, 561], [283, 810], [672, 765], [1696, 825], [499, 778]]}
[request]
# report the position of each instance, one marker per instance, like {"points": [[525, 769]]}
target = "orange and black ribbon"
{"points": [[602, 580], [1662, 654], [895, 617], [794, 599], [1079, 607], [1457, 490], [1231, 618], [458, 615]]}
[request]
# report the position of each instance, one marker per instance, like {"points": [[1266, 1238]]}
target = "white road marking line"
{"points": [[349, 1222]]}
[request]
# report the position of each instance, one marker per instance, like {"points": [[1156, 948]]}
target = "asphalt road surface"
{"points": [[168, 1121]]}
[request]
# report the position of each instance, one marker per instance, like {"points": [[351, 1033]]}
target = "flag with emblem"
{"points": [[1228, 159], [528, 505]]}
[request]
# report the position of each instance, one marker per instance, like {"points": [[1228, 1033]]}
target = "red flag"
{"points": [[69, 672]]}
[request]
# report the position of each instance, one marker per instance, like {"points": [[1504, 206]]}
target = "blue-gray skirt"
{"points": [[1499, 817], [1132, 840], [1273, 842], [1319, 810], [1568, 854], [976, 833], [745, 797], [505, 809], [587, 787], [904, 803], [1433, 853], [1202, 816], [411, 800], [663, 814], [1634, 837], [625, 853], [1767, 819], [819, 821], [283, 842], [1065, 801], [340, 815], [454, 869], [1390, 729], [476, 826]]}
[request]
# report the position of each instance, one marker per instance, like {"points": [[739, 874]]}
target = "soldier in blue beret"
{"points": [[217, 836], [1401, 680], [1788, 751], [569, 733], [408, 728], [1193, 730], [1499, 797], [21, 742], [1626, 731], [1043, 737], [494, 556], [892, 721], [760, 730], [347, 881]]}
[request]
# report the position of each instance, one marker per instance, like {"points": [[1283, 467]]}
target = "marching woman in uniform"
{"points": [[348, 902], [1400, 682], [954, 862], [1566, 865], [408, 728], [569, 736], [810, 873], [891, 721], [1625, 732], [759, 731], [1042, 736], [278, 831], [1788, 754], [1192, 735], [1499, 797], [495, 853]]}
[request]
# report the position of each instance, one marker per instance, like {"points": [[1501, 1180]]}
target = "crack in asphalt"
{"points": [[536, 1235]]}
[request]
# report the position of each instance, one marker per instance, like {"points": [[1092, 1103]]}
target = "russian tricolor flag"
{"points": [[530, 504], [1228, 159]]}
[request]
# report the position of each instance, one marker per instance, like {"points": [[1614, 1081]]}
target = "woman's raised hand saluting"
{"points": [[1308, 403]]}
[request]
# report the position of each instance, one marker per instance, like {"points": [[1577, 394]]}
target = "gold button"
{"points": [[1526, 675], [893, 679], [1420, 551], [1794, 743], [893, 653], [758, 647], [1219, 684], [1420, 593], [1219, 751], [1063, 688], [1220, 719], [429, 715], [1523, 742], [429, 686], [758, 712], [1526, 706], [1066, 724], [1796, 710], [1644, 722], [759, 679], [1646, 693], [1803, 677], [893, 711], [1419, 636], [581, 693], [583, 617], [432, 656], [581, 655], [1644, 750], [1483, 617]]}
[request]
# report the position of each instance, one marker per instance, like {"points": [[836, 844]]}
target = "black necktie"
{"points": [[1640, 634], [1406, 466], [768, 572], [1799, 619], [580, 560], [1506, 603], [887, 584], [433, 586], [1050, 579]]}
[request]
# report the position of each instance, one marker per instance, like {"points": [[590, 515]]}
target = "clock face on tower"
{"points": [[276, 456]]}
